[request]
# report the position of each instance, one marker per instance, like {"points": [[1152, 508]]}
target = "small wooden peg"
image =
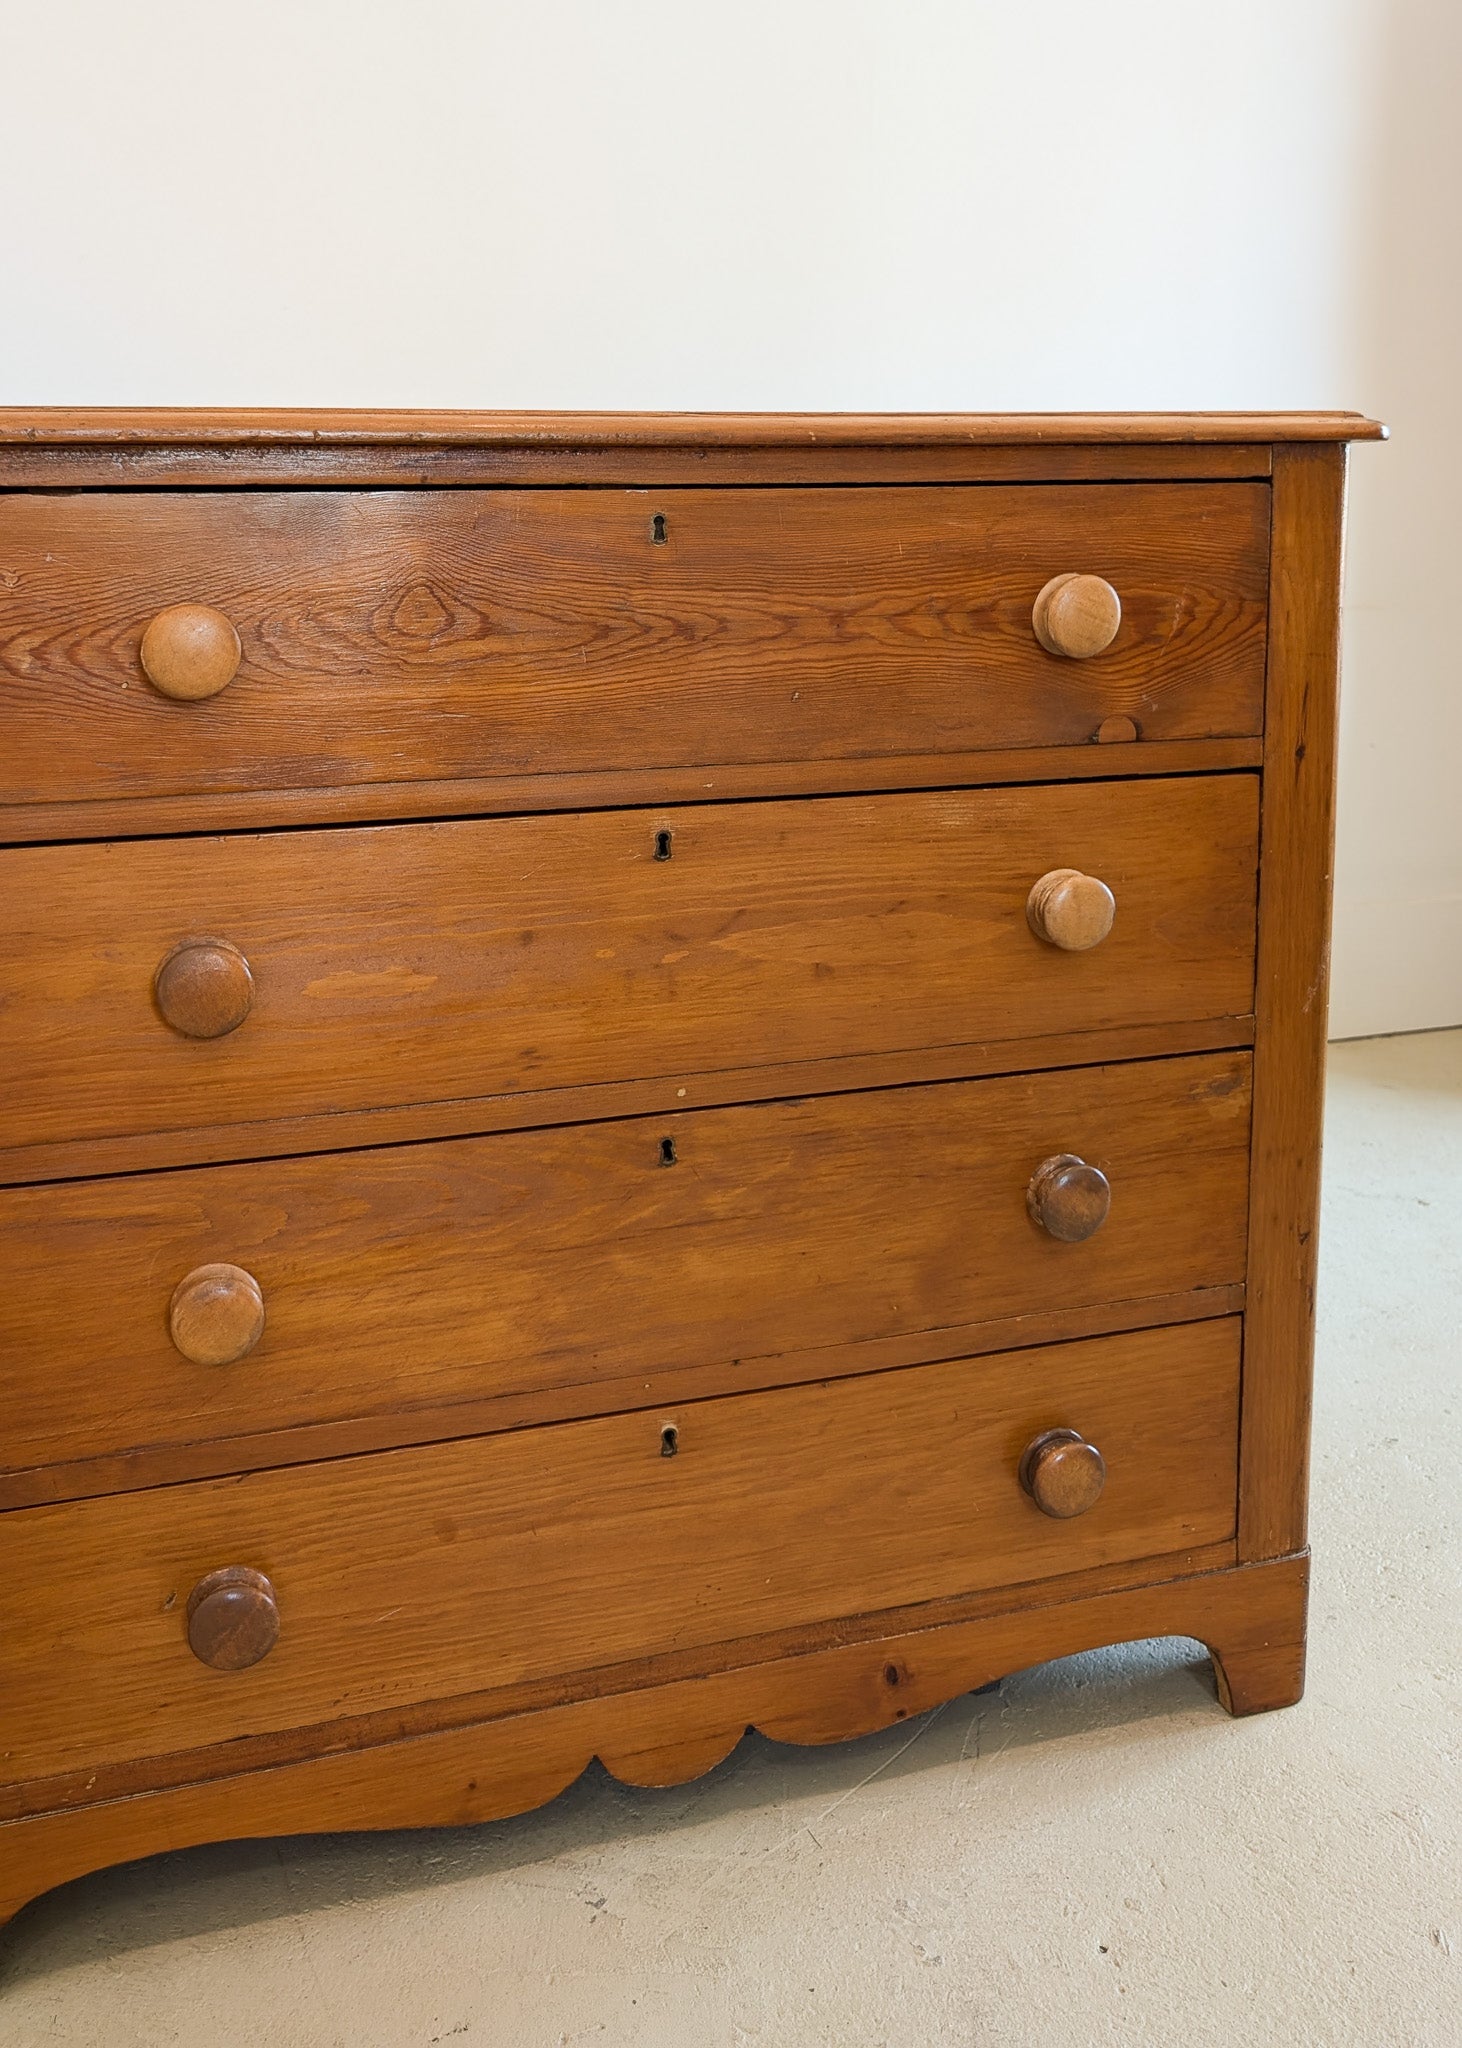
{"points": [[190, 651], [233, 1618], [1067, 1198], [216, 1315], [1063, 1473], [1076, 616], [204, 988], [1071, 910]]}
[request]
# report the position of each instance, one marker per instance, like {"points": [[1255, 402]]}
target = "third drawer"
{"points": [[398, 1293]]}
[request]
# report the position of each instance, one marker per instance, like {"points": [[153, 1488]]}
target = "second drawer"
{"points": [[190, 985], [195, 1307]]}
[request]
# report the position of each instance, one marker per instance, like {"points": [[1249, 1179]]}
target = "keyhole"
{"points": [[667, 1151], [662, 846], [657, 529], [669, 1440]]}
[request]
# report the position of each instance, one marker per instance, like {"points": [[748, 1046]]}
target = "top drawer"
{"points": [[406, 637]]}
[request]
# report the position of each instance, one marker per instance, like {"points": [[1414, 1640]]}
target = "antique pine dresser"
{"points": [[660, 1074]]}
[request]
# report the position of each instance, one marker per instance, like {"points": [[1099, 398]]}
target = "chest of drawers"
{"points": [[662, 1074]]}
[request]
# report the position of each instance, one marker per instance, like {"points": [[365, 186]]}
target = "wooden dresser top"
{"points": [[179, 426]]}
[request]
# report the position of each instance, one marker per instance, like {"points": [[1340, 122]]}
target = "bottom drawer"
{"points": [[411, 1575]]}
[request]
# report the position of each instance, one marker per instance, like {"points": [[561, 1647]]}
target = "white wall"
{"points": [[1398, 907], [816, 203]]}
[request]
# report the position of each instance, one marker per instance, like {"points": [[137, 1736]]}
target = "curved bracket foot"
{"points": [[1254, 1678]]}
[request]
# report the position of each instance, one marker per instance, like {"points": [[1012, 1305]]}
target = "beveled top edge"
{"points": [[180, 426]]}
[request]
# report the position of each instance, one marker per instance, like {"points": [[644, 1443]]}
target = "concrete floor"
{"points": [[1093, 1854]]}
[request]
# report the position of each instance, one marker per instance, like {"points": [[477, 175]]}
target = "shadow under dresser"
{"points": [[662, 1073]]}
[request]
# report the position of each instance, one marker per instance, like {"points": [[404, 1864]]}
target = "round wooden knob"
{"points": [[216, 1314], [1077, 616], [1068, 1198], [190, 651], [1063, 1473], [204, 988], [1071, 910], [233, 1619]]}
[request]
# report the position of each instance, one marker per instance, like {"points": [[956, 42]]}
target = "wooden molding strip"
{"points": [[52, 426], [327, 466]]}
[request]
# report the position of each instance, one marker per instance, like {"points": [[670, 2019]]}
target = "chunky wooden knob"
{"points": [[204, 988], [190, 651], [1071, 910], [1077, 616], [216, 1314], [1063, 1473], [1068, 1198], [233, 1619]]}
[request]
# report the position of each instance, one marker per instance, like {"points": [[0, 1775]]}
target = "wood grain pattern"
{"points": [[1293, 983], [1252, 1621], [408, 1281], [420, 963], [402, 635], [426, 1572]]}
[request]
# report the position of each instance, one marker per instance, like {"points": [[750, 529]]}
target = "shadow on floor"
{"points": [[1099, 1695]]}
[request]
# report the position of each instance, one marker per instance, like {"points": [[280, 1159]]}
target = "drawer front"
{"points": [[425, 963], [397, 637], [418, 1574], [415, 1277]]}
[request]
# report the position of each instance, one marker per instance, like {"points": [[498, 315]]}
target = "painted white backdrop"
{"points": [[952, 204]]}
